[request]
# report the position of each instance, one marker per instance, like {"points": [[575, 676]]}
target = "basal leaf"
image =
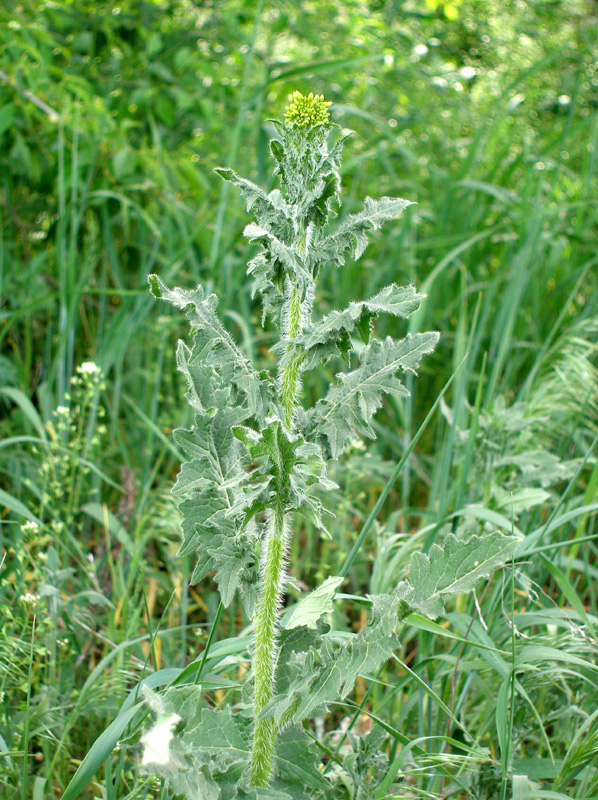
{"points": [[319, 602], [452, 569]]}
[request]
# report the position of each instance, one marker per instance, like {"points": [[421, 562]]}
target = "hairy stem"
{"points": [[289, 379], [266, 618]]}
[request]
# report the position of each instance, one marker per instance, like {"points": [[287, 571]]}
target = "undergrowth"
{"points": [[487, 120]]}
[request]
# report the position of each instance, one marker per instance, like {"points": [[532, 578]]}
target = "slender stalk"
{"points": [[266, 618], [289, 379], [267, 612]]}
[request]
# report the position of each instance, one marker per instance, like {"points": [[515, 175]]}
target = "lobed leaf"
{"points": [[452, 569], [204, 753], [213, 347], [351, 233], [330, 336], [266, 207], [319, 602], [290, 465], [218, 492], [318, 667], [348, 408]]}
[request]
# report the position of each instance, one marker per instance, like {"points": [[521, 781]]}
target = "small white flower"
{"points": [[420, 50], [156, 741], [89, 368], [29, 599], [62, 411], [30, 526], [563, 99]]}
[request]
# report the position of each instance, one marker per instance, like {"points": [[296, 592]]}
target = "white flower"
{"points": [[30, 526], [29, 599], [89, 368], [156, 741]]}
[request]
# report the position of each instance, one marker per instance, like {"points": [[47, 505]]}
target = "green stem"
{"points": [[267, 612], [289, 379], [266, 618]]}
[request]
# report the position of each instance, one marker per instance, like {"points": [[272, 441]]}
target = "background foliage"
{"points": [[112, 118]]}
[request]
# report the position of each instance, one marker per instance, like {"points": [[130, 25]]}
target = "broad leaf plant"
{"points": [[258, 461]]}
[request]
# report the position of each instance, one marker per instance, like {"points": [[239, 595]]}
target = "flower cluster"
{"points": [[306, 112]]}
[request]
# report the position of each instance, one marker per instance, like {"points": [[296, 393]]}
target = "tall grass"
{"points": [[503, 240]]}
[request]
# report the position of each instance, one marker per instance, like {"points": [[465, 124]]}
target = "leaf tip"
{"points": [[154, 284]]}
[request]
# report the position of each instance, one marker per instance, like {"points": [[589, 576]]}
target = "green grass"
{"points": [[502, 240]]}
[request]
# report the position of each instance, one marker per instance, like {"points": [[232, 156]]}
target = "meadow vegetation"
{"points": [[112, 120]]}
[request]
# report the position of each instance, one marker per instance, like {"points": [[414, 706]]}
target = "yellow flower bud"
{"points": [[305, 112]]}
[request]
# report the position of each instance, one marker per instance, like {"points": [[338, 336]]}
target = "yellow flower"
{"points": [[305, 112]]}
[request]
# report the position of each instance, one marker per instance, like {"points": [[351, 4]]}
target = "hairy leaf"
{"points": [[213, 346], [330, 336], [266, 207], [203, 753], [348, 408], [319, 602], [290, 466], [452, 569], [282, 258], [318, 667], [351, 233], [326, 670], [218, 494]]}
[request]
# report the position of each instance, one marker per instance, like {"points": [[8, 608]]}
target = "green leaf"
{"points": [[351, 234], [204, 753], [452, 569], [219, 493], [320, 667], [296, 761], [316, 669], [266, 207], [348, 408], [309, 610], [7, 114], [329, 336], [282, 257], [15, 505], [290, 466], [199, 752], [213, 348], [515, 502], [98, 753]]}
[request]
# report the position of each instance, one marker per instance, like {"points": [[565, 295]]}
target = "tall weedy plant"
{"points": [[258, 461]]}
